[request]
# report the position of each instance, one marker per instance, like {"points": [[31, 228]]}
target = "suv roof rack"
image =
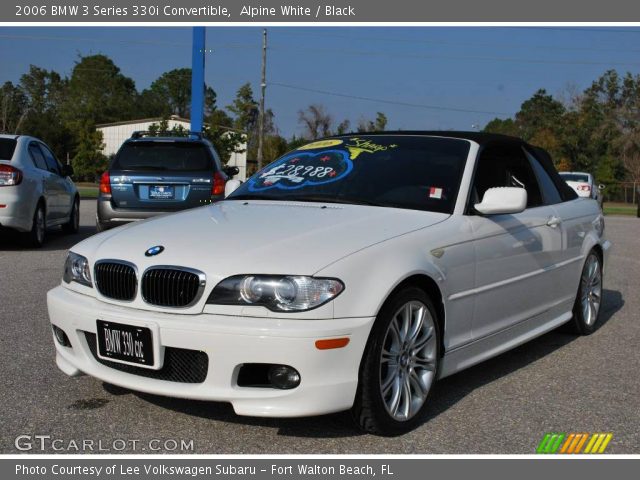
{"points": [[147, 133]]}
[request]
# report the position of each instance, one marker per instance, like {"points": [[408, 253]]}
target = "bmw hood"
{"points": [[234, 237]]}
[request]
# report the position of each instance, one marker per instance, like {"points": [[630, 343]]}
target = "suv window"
{"points": [[549, 190], [52, 164], [505, 166], [37, 156], [163, 156]]}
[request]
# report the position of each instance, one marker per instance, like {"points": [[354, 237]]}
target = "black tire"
{"points": [[36, 237], [99, 226], [73, 225], [585, 321], [370, 411]]}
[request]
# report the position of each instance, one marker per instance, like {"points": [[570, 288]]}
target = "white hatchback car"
{"points": [[584, 185], [35, 189], [348, 274]]}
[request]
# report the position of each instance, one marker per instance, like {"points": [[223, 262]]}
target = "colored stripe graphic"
{"points": [[572, 443]]}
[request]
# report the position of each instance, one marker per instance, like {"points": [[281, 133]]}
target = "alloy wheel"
{"points": [[591, 283], [408, 360]]}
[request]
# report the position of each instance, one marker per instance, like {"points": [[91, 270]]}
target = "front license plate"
{"points": [[125, 343], [161, 192]]}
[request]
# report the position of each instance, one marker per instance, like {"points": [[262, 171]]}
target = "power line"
{"points": [[386, 101], [450, 57], [414, 41], [128, 42]]}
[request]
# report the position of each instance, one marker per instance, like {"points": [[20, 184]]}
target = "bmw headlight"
{"points": [[279, 293], [76, 269]]}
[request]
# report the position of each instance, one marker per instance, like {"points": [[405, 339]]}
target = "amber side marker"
{"points": [[331, 343]]}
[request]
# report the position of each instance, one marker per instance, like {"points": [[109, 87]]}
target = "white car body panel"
{"points": [[501, 279]]}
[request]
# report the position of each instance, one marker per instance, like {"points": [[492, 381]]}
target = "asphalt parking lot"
{"points": [[557, 383]]}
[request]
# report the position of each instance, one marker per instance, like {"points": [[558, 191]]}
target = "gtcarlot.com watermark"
{"points": [[48, 443]]}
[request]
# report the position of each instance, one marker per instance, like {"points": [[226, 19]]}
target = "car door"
{"points": [[62, 184], [514, 252], [574, 220], [49, 186]]}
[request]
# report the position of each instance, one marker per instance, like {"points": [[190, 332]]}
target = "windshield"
{"points": [[7, 147], [574, 177], [163, 156], [413, 172]]}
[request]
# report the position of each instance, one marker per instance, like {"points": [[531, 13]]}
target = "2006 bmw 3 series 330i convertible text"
{"points": [[351, 273]]}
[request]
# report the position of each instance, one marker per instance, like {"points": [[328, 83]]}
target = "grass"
{"points": [[614, 208], [88, 192]]}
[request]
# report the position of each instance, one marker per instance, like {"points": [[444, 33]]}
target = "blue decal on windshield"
{"points": [[303, 169]]}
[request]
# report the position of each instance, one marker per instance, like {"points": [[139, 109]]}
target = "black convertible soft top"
{"points": [[485, 139]]}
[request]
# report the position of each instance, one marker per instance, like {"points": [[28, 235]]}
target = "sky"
{"points": [[420, 77]]}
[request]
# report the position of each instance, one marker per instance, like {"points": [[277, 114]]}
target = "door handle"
{"points": [[554, 221]]}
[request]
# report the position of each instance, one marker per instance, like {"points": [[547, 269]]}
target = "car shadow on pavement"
{"points": [[447, 393], [56, 239]]}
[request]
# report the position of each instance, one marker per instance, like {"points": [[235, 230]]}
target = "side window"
{"points": [[37, 156], [52, 164], [505, 166], [549, 190]]}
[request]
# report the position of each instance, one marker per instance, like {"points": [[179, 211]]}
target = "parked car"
{"points": [[153, 175], [350, 273], [36, 192], [584, 185]]}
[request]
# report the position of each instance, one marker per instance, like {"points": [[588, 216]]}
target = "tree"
{"points": [[89, 162], [13, 108], [377, 125], [504, 127], [343, 127], [170, 94], [98, 93], [245, 109], [45, 93], [316, 121]]}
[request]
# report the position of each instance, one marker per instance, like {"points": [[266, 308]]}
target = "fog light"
{"points": [[61, 337], [284, 377]]}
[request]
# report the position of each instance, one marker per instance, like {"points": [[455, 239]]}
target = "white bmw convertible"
{"points": [[351, 273]]}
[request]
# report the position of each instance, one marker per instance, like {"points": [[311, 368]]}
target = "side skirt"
{"points": [[482, 349]]}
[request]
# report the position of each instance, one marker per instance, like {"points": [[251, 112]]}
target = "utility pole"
{"points": [[263, 87]]}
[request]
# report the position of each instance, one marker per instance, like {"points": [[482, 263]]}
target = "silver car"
{"points": [[36, 192], [584, 185]]}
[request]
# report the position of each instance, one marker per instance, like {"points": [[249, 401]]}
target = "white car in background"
{"points": [[36, 192], [584, 185], [351, 273]]}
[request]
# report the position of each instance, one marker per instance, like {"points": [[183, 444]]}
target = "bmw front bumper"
{"points": [[329, 378]]}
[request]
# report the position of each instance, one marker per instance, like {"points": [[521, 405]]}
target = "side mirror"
{"points": [[231, 186], [67, 170], [602, 186], [231, 171], [502, 200]]}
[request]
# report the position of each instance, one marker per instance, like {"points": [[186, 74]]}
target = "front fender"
{"points": [[443, 252]]}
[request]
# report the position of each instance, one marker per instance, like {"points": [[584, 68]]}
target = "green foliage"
{"points": [[89, 162], [170, 94], [599, 132], [13, 108], [97, 93]]}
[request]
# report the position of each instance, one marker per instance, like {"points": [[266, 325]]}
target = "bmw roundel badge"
{"points": [[153, 251]]}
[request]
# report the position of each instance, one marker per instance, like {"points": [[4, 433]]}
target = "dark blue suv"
{"points": [[153, 175]]}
